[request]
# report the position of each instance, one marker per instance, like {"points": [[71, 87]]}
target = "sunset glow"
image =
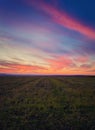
{"points": [[46, 37]]}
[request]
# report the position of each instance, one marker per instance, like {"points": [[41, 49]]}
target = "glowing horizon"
{"points": [[43, 37]]}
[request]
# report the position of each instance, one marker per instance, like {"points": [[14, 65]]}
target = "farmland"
{"points": [[47, 102]]}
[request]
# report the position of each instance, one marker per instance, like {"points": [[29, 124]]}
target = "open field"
{"points": [[47, 103]]}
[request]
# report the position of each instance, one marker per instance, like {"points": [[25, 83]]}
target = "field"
{"points": [[47, 103]]}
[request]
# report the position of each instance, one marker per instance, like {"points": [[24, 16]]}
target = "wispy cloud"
{"points": [[14, 67], [62, 18], [45, 40]]}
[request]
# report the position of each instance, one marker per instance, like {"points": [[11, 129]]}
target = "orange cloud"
{"points": [[20, 68], [67, 65], [61, 65]]}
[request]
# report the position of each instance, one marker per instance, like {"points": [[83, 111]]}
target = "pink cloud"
{"points": [[58, 65], [82, 59], [62, 18], [60, 62], [10, 67]]}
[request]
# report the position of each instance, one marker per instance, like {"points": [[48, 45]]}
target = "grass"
{"points": [[47, 103]]}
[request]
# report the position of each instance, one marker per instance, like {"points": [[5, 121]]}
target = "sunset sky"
{"points": [[47, 37]]}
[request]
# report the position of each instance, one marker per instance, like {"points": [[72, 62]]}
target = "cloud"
{"points": [[14, 38], [61, 62], [62, 18], [54, 44], [82, 59], [89, 47], [86, 66], [14, 67]]}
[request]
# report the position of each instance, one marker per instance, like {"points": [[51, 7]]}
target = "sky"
{"points": [[47, 37]]}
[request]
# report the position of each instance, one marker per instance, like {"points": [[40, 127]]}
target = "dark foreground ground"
{"points": [[47, 103]]}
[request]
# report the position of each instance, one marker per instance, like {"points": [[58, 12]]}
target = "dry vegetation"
{"points": [[47, 103]]}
